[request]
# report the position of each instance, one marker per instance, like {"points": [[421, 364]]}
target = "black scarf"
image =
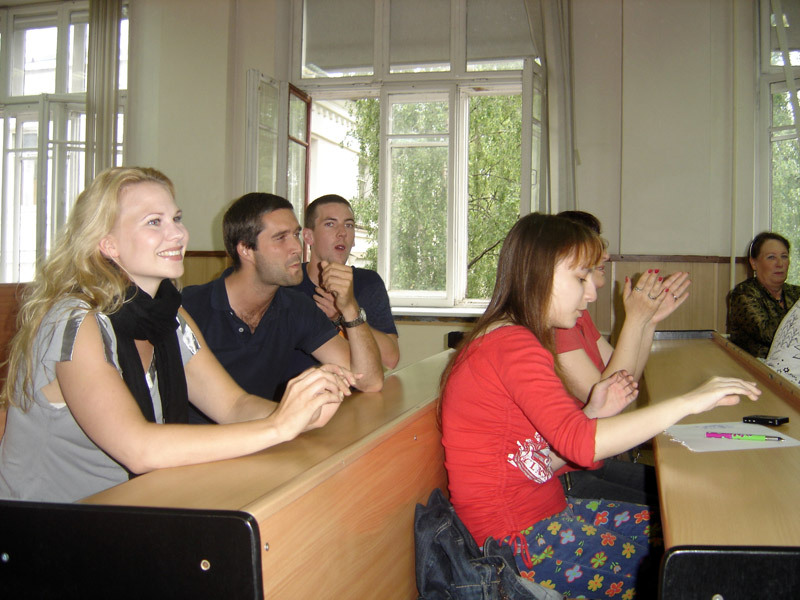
{"points": [[154, 320]]}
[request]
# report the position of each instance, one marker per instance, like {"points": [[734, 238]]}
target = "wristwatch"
{"points": [[337, 322], [361, 319]]}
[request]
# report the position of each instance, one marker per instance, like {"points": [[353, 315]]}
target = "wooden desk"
{"points": [[334, 507], [719, 498], [737, 500]]}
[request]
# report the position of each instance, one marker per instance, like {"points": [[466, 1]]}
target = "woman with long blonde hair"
{"points": [[508, 423], [105, 361]]}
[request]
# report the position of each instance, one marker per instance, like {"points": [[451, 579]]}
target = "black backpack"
{"points": [[450, 566]]}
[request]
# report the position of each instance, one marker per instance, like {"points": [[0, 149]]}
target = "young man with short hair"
{"points": [[340, 290]]}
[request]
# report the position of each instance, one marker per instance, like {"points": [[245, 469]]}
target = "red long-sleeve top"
{"points": [[503, 408]]}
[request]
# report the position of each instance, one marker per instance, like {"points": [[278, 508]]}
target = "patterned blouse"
{"points": [[754, 315], [784, 355]]}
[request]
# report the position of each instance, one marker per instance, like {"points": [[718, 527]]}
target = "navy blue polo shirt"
{"points": [[257, 361], [371, 295]]}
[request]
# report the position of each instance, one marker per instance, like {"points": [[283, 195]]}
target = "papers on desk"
{"points": [[694, 437]]}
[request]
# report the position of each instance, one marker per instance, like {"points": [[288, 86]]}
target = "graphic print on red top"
{"points": [[533, 459]]}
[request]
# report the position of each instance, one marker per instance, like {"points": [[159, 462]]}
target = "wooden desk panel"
{"points": [[739, 498], [335, 507]]}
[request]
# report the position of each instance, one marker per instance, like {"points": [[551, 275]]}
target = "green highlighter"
{"points": [[749, 437]]}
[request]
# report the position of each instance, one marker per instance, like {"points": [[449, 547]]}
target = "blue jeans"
{"points": [[593, 549]]}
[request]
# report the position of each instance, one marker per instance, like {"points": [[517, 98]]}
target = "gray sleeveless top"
{"points": [[44, 454]]}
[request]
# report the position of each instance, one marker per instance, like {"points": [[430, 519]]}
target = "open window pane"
{"points": [[498, 35], [19, 227], [790, 23], [495, 127], [297, 176], [298, 118], [78, 56], [299, 107], [36, 72], [785, 177], [338, 38], [419, 40], [341, 164], [123, 50]]}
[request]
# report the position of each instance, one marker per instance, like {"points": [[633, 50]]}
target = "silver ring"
{"points": [[638, 289], [674, 296], [651, 297]]}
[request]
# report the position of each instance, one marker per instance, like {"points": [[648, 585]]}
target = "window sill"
{"points": [[424, 313]]}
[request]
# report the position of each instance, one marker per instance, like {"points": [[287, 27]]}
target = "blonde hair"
{"points": [[75, 268]]}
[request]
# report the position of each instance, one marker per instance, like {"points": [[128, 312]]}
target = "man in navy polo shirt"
{"points": [[329, 231], [253, 322]]}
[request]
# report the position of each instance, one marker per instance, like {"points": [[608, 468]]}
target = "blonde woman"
{"points": [[105, 361]]}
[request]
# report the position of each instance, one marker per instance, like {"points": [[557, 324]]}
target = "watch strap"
{"points": [[360, 320]]}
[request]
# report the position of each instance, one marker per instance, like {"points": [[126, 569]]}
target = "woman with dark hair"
{"points": [[758, 304], [507, 420]]}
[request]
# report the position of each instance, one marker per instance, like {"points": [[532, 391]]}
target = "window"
{"points": [[44, 52], [299, 112], [781, 153], [436, 131]]}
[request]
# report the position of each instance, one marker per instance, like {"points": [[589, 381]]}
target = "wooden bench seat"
{"points": [[9, 304]]}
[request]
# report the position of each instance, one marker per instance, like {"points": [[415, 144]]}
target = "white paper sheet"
{"points": [[694, 437]]}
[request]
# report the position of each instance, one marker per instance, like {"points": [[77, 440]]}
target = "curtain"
{"points": [[549, 21], [102, 85]]}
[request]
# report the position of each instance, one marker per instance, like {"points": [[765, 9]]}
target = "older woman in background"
{"points": [[758, 304]]}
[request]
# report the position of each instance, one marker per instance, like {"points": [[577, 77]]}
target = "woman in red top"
{"points": [[507, 420]]}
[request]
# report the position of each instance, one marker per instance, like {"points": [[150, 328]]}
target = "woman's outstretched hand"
{"points": [[611, 395], [720, 391]]}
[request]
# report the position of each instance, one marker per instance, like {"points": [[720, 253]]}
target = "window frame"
{"points": [[770, 78], [53, 199], [459, 85]]}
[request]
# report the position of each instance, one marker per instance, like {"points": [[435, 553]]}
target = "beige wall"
{"points": [[421, 339], [664, 93]]}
